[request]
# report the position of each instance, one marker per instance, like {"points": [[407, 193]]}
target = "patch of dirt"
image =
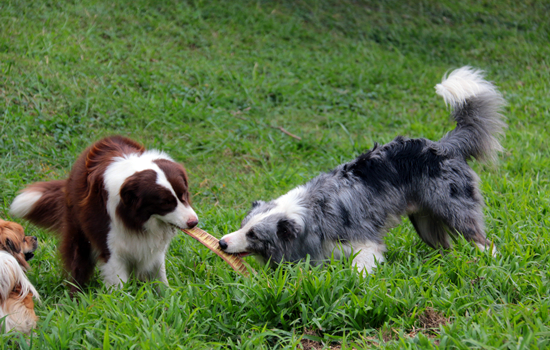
{"points": [[315, 345], [389, 335], [308, 344], [429, 323], [431, 319]]}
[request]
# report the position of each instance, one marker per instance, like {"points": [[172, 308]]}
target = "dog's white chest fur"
{"points": [[143, 253]]}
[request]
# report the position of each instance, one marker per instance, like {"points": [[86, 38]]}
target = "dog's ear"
{"points": [[136, 187], [128, 195], [9, 240], [129, 192], [22, 261], [12, 246], [256, 204], [287, 230]]}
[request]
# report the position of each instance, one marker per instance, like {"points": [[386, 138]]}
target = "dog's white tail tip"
{"points": [[461, 84], [23, 204]]}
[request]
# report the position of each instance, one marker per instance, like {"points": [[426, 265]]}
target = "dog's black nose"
{"points": [[192, 222], [34, 238], [223, 245]]}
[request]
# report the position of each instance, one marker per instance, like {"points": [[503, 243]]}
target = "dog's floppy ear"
{"points": [[14, 248], [136, 186], [9, 240], [22, 261], [128, 193], [287, 230]]}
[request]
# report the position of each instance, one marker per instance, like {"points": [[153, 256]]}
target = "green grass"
{"points": [[209, 83]]}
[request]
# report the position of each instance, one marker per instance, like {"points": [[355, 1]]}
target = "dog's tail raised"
{"points": [[476, 105], [42, 203]]}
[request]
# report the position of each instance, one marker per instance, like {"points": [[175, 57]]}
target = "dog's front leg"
{"points": [[368, 254], [114, 272], [160, 271], [155, 270]]}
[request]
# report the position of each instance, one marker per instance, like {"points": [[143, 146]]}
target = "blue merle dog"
{"points": [[349, 209]]}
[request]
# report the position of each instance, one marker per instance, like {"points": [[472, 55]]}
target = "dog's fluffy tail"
{"points": [[42, 203], [476, 105]]}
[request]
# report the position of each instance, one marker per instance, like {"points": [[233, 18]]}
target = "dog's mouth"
{"points": [[243, 254], [29, 256], [174, 226]]}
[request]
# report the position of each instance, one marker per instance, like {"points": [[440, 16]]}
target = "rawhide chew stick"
{"points": [[211, 242]]}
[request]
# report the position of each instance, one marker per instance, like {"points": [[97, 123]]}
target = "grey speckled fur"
{"points": [[355, 204]]}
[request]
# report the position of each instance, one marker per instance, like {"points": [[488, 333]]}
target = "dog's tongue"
{"points": [[242, 255], [29, 256]]}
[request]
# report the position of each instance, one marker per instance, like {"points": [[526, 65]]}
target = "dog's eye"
{"points": [[251, 234], [166, 202]]}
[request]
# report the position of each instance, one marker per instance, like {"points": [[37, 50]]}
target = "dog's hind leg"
{"points": [[77, 255], [467, 221], [472, 228], [431, 229], [473, 233]]}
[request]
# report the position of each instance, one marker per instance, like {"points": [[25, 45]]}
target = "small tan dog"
{"points": [[16, 291]]}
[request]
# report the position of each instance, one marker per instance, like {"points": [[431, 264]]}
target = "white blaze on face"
{"points": [[236, 242], [289, 204]]}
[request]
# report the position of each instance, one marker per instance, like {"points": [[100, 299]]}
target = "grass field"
{"points": [[212, 83]]}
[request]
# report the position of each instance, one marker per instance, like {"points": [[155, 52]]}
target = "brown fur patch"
{"points": [[13, 241]]}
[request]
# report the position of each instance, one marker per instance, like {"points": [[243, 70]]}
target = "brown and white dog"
{"points": [[14, 241], [16, 291], [121, 204]]}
